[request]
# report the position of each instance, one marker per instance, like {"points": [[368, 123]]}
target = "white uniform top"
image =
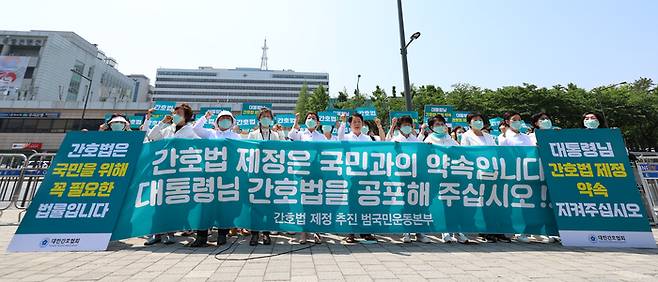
{"points": [[533, 138], [516, 139], [470, 139], [401, 138], [306, 135], [446, 140], [500, 138], [208, 133], [267, 134], [351, 136], [164, 130], [282, 136], [333, 138]]}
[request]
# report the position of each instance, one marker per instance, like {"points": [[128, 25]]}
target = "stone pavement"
{"points": [[388, 260]]}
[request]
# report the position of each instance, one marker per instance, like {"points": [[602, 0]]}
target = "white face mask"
{"points": [[117, 126], [326, 128], [311, 123], [591, 123], [545, 124]]}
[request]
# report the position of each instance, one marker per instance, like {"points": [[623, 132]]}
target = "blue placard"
{"points": [[368, 113], [164, 107], [286, 120], [246, 122]]}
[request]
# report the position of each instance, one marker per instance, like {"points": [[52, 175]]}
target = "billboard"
{"points": [[12, 71]]}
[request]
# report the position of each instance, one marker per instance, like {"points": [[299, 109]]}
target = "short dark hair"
{"points": [[470, 116], [599, 117], [454, 130], [355, 114], [436, 118], [313, 114], [187, 110], [509, 115], [405, 119], [535, 118]]}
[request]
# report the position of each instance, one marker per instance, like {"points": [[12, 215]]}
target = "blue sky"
{"points": [[484, 43]]}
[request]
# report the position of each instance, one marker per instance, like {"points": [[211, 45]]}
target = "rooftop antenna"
{"points": [[263, 59]]}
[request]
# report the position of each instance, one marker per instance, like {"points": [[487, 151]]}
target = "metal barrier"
{"points": [[11, 166], [32, 175], [20, 178], [647, 170]]}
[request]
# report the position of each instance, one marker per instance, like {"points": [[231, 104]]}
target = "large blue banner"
{"points": [[338, 187]]}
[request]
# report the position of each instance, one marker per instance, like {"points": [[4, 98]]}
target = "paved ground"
{"points": [[389, 260]]}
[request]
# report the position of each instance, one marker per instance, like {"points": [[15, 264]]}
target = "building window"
{"points": [[74, 87], [46, 125], [28, 73]]}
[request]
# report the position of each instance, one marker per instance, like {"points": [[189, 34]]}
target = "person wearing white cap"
{"points": [[224, 123], [118, 122]]}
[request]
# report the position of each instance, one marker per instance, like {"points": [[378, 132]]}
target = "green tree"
{"points": [[427, 95], [342, 98], [357, 100], [302, 100], [381, 103], [318, 101]]}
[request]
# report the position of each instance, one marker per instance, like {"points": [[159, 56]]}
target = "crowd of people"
{"points": [[180, 124]]}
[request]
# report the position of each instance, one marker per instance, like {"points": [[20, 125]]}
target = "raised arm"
{"points": [[389, 135], [202, 132], [159, 131], [341, 129], [380, 129], [294, 132]]}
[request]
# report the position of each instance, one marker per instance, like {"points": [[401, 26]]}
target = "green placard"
{"points": [[444, 110], [592, 188], [459, 119], [254, 108], [135, 121], [413, 115], [78, 203]]}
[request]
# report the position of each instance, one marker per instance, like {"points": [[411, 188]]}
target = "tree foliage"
{"points": [[632, 107], [318, 101], [302, 100]]}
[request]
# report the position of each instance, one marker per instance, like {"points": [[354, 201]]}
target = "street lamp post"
{"points": [[84, 108], [358, 78], [403, 53], [598, 92]]}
